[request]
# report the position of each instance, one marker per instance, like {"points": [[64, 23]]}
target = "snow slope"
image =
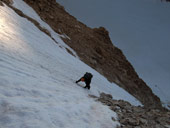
{"points": [[37, 76], [140, 28]]}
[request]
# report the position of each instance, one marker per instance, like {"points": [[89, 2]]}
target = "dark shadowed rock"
{"points": [[1, 4]]}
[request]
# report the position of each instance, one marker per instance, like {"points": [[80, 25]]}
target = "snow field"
{"points": [[37, 78]]}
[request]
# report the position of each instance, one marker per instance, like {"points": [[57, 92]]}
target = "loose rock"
{"points": [[131, 116]]}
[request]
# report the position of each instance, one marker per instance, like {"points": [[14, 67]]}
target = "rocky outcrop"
{"points": [[95, 48], [131, 116]]}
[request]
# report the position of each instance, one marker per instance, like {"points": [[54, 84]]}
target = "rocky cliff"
{"points": [[95, 48]]}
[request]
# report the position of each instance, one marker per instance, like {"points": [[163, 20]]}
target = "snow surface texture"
{"points": [[138, 27], [37, 80]]}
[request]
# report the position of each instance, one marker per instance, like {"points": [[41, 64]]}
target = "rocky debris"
{"points": [[95, 48], [131, 116]]}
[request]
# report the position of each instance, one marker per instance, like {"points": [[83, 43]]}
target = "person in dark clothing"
{"points": [[87, 79]]}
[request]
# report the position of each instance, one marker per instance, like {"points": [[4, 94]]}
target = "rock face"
{"points": [[135, 116], [95, 48]]}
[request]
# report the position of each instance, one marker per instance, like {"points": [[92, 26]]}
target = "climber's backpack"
{"points": [[88, 75]]}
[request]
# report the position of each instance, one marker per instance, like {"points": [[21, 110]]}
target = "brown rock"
{"points": [[51, 17], [1, 4], [143, 121], [8, 2]]}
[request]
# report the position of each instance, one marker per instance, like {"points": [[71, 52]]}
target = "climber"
{"points": [[87, 79]]}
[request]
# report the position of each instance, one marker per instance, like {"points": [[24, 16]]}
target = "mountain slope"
{"points": [[140, 29], [95, 48], [37, 77]]}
